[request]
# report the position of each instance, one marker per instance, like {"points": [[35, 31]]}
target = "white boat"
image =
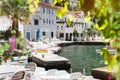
{"points": [[112, 51]]}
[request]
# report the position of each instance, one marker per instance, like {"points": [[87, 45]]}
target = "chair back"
{"points": [[39, 69], [18, 75], [76, 76], [31, 65], [61, 72], [2, 78], [51, 72], [88, 78]]}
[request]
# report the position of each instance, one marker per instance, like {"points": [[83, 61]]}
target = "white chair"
{"points": [[61, 73], [76, 76], [40, 71], [19, 75], [49, 75], [32, 66], [51, 72], [2, 77], [88, 77]]}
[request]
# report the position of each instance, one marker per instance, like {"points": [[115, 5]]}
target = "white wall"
{"points": [[47, 26], [5, 23]]}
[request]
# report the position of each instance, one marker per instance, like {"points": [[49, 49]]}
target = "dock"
{"points": [[49, 57], [67, 43], [55, 49], [50, 61]]}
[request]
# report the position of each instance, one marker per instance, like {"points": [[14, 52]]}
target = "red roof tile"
{"points": [[49, 6], [76, 13]]}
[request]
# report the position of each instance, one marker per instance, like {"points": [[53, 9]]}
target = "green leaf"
{"points": [[61, 12], [0, 13], [116, 25], [29, 1], [33, 4], [54, 2], [118, 33], [88, 17], [70, 19], [59, 1], [106, 62], [31, 8], [13, 32], [66, 4], [103, 26], [36, 3]]}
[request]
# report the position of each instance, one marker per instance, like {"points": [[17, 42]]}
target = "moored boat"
{"points": [[112, 51]]}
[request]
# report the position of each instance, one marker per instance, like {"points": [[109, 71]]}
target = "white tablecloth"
{"points": [[7, 69]]}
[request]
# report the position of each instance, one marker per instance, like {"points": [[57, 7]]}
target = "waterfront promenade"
{"points": [[50, 60], [65, 43]]}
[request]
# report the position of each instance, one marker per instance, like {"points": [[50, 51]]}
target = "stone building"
{"points": [[66, 31], [45, 24]]}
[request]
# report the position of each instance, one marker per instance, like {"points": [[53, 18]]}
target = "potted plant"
{"points": [[14, 47], [19, 11]]}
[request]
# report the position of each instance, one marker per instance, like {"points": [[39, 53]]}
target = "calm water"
{"points": [[83, 57]]}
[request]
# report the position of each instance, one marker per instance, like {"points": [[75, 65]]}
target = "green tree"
{"points": [[108, 15], [18, 11]]}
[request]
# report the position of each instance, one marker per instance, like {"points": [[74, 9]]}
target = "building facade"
{"points": [[66, 31], [45, 24]]}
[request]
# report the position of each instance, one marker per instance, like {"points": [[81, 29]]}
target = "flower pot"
{"points": [[22, 60]]}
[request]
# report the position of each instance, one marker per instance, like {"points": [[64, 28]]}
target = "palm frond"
{"points": [[16, 9], [5, 34]]}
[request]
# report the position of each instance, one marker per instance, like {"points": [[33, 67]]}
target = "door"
{"points": [[28, 35], [38, 34], [70, 36], [51, 34], [66, 36]]}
